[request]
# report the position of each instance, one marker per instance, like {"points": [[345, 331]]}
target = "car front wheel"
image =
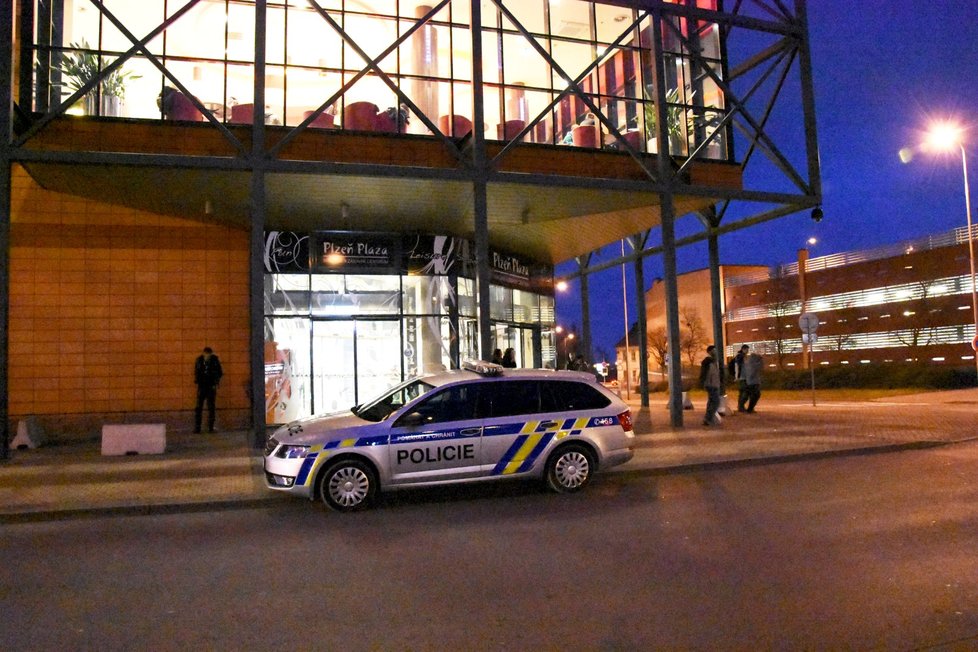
{"points": [[348, 486], [570, 468]]}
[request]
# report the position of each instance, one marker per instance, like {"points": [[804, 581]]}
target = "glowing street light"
{"points": [[564, 341], [944, 137]]}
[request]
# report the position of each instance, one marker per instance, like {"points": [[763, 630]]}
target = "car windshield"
{"points": [[381, 407]]}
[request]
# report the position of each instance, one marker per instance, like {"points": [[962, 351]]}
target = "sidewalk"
{"points": [[221, 471]]}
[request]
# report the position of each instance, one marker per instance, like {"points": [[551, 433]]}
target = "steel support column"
{"points": [[256, 298], [585, 319], [6, 102], [672, 309], [480, 200], [667, 212], [716, 295], [808, 102]]}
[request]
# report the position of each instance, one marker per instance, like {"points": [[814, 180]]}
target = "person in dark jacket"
{"points": [[753, 366], [207, 376], [497, 357], [710, 381], [578, 363], [509, 358], [738, 369]]}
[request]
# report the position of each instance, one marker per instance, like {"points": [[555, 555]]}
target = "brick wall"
{"points": [[110, 306]]}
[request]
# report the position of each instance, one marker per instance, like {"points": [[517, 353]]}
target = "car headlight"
{"points": [[292, 452]]}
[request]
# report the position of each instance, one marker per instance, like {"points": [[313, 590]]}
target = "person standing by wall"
{"points": [[497, 357], [509, 358], [207, 376], [753, 366], [710, 381]]}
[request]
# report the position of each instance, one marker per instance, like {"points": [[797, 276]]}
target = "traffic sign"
{"points": [[808, 322], [974, 343]]}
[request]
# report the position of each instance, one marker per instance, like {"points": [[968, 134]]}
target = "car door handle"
{"points": [[548, 424], [470, 432]]}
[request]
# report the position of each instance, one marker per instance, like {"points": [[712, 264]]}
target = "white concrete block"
{"points": [[133, 438], [29, 434]]}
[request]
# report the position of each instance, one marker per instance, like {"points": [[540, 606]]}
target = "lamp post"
{"points": [[945, 136], [624, 296], [564, 340]]}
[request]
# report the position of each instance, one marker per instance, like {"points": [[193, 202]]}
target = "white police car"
{"points": [[481, 422]]}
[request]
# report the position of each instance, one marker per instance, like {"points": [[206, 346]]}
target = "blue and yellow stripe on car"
{"points": [[533, 439], [319, 453]]}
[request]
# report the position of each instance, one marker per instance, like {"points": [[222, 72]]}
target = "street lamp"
{"points": [[945, 136]]}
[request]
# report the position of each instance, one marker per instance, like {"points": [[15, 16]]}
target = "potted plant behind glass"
{"points": [[674, 121], [80, 67]]}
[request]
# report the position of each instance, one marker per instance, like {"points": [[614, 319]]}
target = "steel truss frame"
{"points": [[663, 174], [776, 61]]}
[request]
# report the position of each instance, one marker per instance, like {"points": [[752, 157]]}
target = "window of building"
{"points": [[211, 50]]}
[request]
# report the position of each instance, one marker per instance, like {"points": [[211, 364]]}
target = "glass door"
{"points": [[378, 349], [353, 361], [520, 339], [333, 366]]}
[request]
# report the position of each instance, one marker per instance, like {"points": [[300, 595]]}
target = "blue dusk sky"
{"points": [[883, 70]]}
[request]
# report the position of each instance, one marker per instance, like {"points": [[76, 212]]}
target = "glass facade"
{"points": [[391, 65], [349, 314]]}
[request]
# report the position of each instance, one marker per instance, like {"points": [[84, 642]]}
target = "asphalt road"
{"points": [[866, 552]]}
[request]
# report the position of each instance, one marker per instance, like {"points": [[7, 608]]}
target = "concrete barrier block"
{"points": [[133, 439], [29, 434]]}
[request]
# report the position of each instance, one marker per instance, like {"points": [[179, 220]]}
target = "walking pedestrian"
{"points": [[578, 363], [207, 376], [738, 374], [753, 366], [710, 381]]}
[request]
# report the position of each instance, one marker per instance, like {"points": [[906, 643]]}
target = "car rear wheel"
{"points": [[570, 468], [348, 485]]}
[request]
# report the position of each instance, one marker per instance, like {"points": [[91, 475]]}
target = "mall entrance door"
{"points": [[353, 360], [525, 341]]}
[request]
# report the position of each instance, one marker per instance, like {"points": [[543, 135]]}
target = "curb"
{"points": [[255, 503], [136, 510], [694, 467]]}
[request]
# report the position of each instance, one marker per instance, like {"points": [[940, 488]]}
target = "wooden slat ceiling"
{"points": [[544, 223]]}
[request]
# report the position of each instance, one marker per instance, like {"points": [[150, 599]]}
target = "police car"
{"points": [[481, 422]]}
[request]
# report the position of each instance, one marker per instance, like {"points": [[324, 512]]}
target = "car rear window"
{"points": [[516, 397], [572, 396], [508, 398]]}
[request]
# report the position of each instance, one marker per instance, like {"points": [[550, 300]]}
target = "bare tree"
{"points": [[658, 343], [923, 313], [846, 338], [782, 303], [692, 334]]}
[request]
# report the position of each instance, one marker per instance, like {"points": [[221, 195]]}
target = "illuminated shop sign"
{"points": [[509, 268], [346, 252], [434, 255], [285, 252]]}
